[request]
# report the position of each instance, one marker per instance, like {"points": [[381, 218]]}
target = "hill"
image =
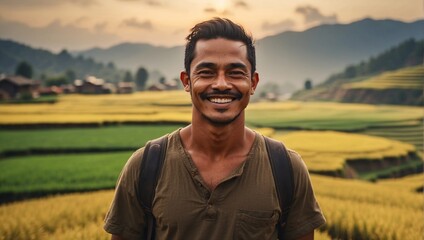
{"points": [[396, 76], [48, 63], [287, 58]]}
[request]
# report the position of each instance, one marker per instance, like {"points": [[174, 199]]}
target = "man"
{"points": [[216, 182]]}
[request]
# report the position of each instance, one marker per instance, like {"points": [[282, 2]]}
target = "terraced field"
{"points": [[413, 134], [406, 78], [351, 155]]}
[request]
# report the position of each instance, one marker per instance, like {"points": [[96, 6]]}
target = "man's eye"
{"points": [[205, 73], [236, 74]]}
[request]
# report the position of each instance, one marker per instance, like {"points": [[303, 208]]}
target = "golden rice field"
{"points": [[388, 209], [353, 209], [363, 210], [411, 182], [145, 107], [174, 106], [329, 150]]}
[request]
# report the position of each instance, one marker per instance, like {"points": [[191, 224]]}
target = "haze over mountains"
{"points": [[287, 58]]}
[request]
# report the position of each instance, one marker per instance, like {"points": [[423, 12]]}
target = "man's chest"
{"points": [[183, 202]]}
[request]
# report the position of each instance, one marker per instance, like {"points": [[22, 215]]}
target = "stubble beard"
{"points": [[217, 122]]}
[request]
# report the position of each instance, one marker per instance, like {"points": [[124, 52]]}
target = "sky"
{"points": [[83, 24]]}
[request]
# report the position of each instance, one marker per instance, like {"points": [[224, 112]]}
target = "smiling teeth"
{"points": [[221, 100]]}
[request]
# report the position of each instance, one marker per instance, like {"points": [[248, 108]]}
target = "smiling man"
{"points": [[216, 181]]}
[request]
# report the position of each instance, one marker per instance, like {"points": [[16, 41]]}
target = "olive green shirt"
{"points": [[243, 206]]}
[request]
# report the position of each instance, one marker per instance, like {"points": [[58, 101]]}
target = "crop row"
{"points": [[127, 137], [410, 134]]}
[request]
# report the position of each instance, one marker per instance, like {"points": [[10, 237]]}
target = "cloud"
{"points": [[133, 22], [282, 26], [100, 27], [56, 36], [148, 2], [81, 20], [210, 10], [46, 3], [84, 3], [214, 11], [241, 4], [312, 15]]}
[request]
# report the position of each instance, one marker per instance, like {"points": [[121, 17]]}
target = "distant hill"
{"points": [[287, 58], [396, 76], [48, 63]]}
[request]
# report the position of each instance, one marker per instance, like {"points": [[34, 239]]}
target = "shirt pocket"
{"points": [[252, 225]]}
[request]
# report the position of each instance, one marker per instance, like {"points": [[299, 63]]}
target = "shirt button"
{"points": [[211, 212]]}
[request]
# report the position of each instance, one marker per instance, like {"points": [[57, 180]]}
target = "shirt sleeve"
{"points": [[305, 214], [126, 217]]}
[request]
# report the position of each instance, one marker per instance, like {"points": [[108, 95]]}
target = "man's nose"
{"points": [[221, 82]]}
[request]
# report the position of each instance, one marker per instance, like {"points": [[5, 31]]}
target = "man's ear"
{"points": [[254, 82], [185, 80]]}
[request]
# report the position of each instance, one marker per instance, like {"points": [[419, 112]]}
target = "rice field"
{"points": [[174, 107], [413, 182], [330, 116], [412, 134], [73, 140], [353, 209], [325, 151], [387, 209]]}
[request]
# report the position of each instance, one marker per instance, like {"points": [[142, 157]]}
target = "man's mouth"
{"points": [[220, 100], [221, 97]]}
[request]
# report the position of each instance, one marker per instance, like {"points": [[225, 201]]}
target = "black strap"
{"points": [[283, 178], [151, 166]]}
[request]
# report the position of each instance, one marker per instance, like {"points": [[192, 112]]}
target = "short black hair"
{"points": [[218, 28]]}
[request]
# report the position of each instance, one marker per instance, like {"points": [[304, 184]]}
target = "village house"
{"points": [[18, 87], [93, 85], [126, 87], [163, 86]]}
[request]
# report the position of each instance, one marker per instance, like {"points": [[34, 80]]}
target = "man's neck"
{"points": [[217, 140]]}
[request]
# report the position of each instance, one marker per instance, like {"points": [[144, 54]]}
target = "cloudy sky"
{"points": [[82, 24]]}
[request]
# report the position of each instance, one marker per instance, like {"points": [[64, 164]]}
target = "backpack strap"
{"points": [[283, 178], [151, 166]]}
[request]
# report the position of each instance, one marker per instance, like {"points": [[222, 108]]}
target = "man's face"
{"points": [[220, 80]]}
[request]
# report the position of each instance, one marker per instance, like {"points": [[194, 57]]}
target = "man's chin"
{"points": [[221, 121]]}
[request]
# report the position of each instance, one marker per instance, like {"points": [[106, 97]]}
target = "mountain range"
{"points": [[288, 58]]}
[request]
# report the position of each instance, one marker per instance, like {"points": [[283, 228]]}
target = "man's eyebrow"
{"points": [[211, 65], [237, 65], [205, 65]]}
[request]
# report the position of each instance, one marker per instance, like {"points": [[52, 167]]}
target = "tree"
{"points": [[56, 81], [308, 84], [162, 80], [70, 76], [111, 65], [24, 69], [141, 78], [128, 77]]}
